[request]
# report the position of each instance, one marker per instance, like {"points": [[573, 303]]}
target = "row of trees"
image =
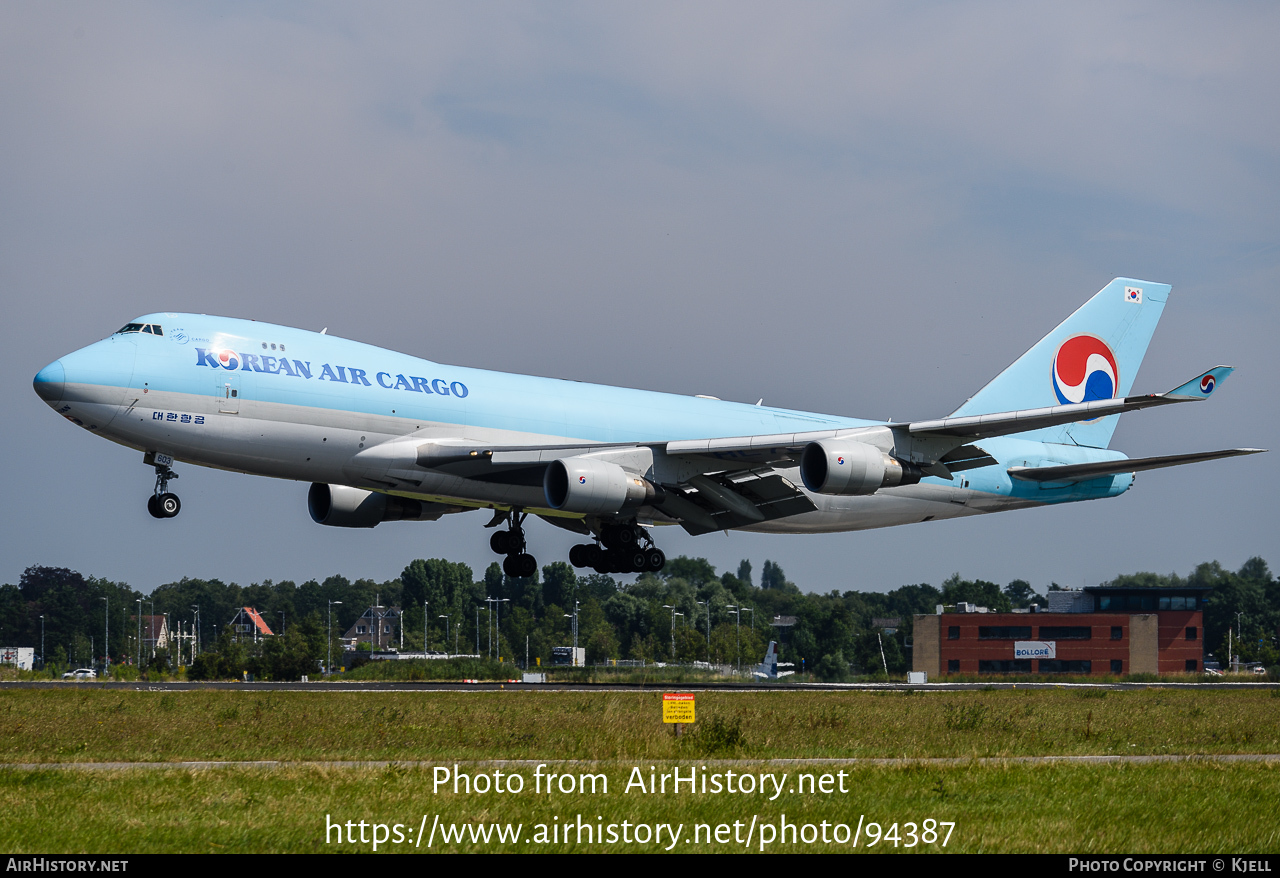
{"points": [[689, 612]]}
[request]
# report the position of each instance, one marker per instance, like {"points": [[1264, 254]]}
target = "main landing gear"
{"points": [[510, 542], [623, 548], [162, 504]]}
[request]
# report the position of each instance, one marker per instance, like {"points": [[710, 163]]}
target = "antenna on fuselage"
{"points": [[323, 331]]}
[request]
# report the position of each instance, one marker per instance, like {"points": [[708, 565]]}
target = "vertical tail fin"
{"points": [[1093, 354]]}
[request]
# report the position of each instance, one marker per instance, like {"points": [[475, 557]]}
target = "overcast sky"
{"points": [[866, 209]]}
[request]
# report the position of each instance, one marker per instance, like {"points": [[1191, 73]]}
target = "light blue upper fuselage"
{"points": [[267, 395]]}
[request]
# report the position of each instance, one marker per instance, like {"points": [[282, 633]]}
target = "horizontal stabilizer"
{"points": [[1080, 472]]}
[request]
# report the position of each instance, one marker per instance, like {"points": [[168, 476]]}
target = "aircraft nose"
{"points": [[50, 382]]}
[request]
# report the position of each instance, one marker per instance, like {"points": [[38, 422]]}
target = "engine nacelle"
{"points": [[592, 487], [843, 466], [341, 506]]}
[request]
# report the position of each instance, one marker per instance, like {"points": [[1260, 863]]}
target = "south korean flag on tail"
{"points": [[1133, 294]]}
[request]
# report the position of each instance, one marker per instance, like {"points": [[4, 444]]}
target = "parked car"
{"points": [[1259, 670], [81, 674]]}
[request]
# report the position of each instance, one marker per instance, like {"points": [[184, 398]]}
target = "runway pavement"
{"points": [[378, 686]]}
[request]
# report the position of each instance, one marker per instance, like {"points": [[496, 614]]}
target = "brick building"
{"points": [[1094, 631]]}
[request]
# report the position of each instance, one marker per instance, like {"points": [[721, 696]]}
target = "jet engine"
{"points": [[590, 486], [341, 506], [842, 466]]}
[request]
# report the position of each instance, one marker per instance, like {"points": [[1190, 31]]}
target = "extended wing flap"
{"points": [[1080, 472], [724, 504]]}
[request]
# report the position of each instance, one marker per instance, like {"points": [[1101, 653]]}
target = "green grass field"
{"points": [[1196, 806], [88, 724]]}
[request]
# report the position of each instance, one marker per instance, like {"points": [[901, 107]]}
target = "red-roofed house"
{"points": [[249, 625]]}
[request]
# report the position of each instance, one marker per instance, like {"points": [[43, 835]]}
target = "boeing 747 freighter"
{"points": [[384, 436]]}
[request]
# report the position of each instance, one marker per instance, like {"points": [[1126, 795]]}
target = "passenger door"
{"points": [[228, 392]]}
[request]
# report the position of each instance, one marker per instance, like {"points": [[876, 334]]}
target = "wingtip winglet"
{"points": [[1202, 386]]}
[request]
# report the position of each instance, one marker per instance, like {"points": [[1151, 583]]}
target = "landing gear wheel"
{"points": [[618, 560], [655, 560], [520, 566], [639, 560], [500, 542], [620, 536], [163, 504], [528, 564], [169, 505], [579, 555]]}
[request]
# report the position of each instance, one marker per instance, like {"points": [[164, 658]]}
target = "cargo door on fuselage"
{"points": [[960, 493]]}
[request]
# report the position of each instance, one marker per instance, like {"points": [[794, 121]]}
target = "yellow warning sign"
{"points": [[677, 708]]}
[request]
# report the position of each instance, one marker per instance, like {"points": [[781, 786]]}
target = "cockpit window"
{"points": [[149, 328]]}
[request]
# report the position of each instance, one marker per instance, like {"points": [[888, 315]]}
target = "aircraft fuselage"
{"points": [[287, 403]]}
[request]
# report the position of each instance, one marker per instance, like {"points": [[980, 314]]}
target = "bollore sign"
{"points": [[1037, 649]]}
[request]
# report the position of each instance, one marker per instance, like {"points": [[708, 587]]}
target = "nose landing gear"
{"points": [[511, 543], [161, 503]]}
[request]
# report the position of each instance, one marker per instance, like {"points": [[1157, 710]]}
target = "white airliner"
{"points": [[384, 436]]}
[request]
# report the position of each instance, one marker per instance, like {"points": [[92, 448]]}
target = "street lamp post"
{"points": [[496, 616], [282, 623], [707, 604], [574, 617], [139, 635], [42, 661], [426, 626], [672, 608], [106, 624], [1239, 638], [329, 667], [574, 623], [737, 615], [196, 608]]}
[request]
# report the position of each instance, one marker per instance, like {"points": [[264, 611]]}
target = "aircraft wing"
{"points": [[728, 482], [780, 447], [1005, 423], [1081, 471], [703, 498]]}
